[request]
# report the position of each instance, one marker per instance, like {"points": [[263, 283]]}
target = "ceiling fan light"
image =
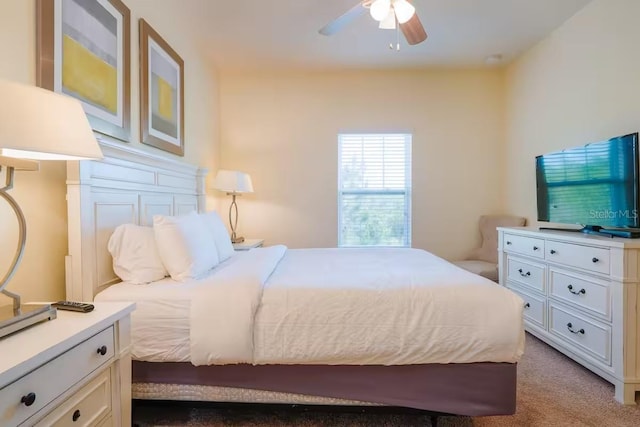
{"points": [[388, 23], [404, 10], [379, 9]]}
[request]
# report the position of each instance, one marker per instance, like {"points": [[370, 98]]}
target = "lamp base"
{"points": [[237, 239], [29, 314]]}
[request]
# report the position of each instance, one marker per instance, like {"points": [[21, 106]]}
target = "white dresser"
{"points": [[74, 370], [581, 296]]}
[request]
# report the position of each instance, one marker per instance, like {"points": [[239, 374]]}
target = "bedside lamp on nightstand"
{"points": [[234, 183], [35, 124]]}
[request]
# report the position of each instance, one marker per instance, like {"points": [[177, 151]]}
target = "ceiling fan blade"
{"points": [[344, 20], [413, 30]]}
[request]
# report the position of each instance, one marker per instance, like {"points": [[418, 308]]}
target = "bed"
{"points": [[302, 328]]}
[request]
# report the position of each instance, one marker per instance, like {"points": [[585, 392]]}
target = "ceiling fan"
{"points": [[388, 13]]}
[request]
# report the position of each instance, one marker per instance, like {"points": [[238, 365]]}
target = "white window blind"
{"points": [[374, 190]]}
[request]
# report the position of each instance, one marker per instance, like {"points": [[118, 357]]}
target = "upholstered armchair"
{"points": [[484, 260]]}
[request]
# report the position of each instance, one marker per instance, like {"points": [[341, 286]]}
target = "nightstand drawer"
{"points": [[526, 273], [585, 257], [524, 245], [44, 384], [591, 336], [587, 293], [86, 407]]}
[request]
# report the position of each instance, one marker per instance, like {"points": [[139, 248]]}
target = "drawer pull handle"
{"points": [[535, 248], [552, 252], [102, 350], [508, 242], [594, 260], [581, 291], [527, 305], [76, 415], [527, 274], [570, 328], [28, 399]]}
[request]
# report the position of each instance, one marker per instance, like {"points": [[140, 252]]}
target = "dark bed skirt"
{"points": [[473, 389]]}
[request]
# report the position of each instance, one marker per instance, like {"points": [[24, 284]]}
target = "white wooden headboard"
{"points": [[127, 186]]}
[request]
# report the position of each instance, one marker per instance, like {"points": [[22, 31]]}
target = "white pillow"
{"points": [[185, 245], [135, 255], [220, 235]]}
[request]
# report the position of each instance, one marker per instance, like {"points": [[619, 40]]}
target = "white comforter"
{"points": [[351, 306]]}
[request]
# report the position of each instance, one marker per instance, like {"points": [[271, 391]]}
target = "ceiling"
{"points": [[240, 34]]}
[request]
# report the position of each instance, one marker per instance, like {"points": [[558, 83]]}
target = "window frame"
{"points": [[406, 191]]}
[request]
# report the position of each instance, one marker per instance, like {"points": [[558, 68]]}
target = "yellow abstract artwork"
{"points": [[88, 76], [165, 99]]}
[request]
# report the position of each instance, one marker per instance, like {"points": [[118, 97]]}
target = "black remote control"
{"points": [[73, 306]]}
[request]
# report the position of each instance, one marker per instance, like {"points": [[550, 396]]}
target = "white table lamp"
{"points": [[35, 124], [233, 183]]}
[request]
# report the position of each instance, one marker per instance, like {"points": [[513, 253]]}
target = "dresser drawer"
{"points": [[524, 245], [589, 335], [534, 307], [51, 380], [526, 273], [585, 257], [107, 422], [85, 408], [581, 291]]}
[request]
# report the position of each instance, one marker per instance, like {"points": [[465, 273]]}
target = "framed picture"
{"points": [[83, 50], [161, 93]]}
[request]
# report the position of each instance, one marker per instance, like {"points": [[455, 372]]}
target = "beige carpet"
{"points": [[552, 391]]}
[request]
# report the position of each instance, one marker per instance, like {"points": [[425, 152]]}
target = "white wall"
{"points": [[581, 84], [281, 127], [42, 194]]}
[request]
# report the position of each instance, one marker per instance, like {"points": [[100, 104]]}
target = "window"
{"points": [[374, 190]]}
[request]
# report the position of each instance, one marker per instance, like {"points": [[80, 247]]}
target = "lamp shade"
{"points": [[233, 182], [404, 10], [379, 9], [39, 124], [388, 23]]}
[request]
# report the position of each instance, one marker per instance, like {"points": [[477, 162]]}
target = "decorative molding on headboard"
{"points": [[127, 186]]}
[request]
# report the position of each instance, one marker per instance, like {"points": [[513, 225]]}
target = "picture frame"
{"points": [[161, 92], [83, 50]]}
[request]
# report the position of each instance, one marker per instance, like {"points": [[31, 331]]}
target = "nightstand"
{"points": [[76, 367], [248, 244]]}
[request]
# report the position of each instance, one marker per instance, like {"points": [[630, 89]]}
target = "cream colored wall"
{"points": [[581, 84], [282, 129], [42, 195]]}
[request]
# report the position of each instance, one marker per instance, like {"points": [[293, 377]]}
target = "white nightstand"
{"points": [[248, 244], [76, 367]]}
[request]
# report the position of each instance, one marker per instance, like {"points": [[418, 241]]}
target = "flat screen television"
{"points": [[595, 185]]}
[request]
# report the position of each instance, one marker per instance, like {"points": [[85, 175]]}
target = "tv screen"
{"points": [[592, 185]]}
